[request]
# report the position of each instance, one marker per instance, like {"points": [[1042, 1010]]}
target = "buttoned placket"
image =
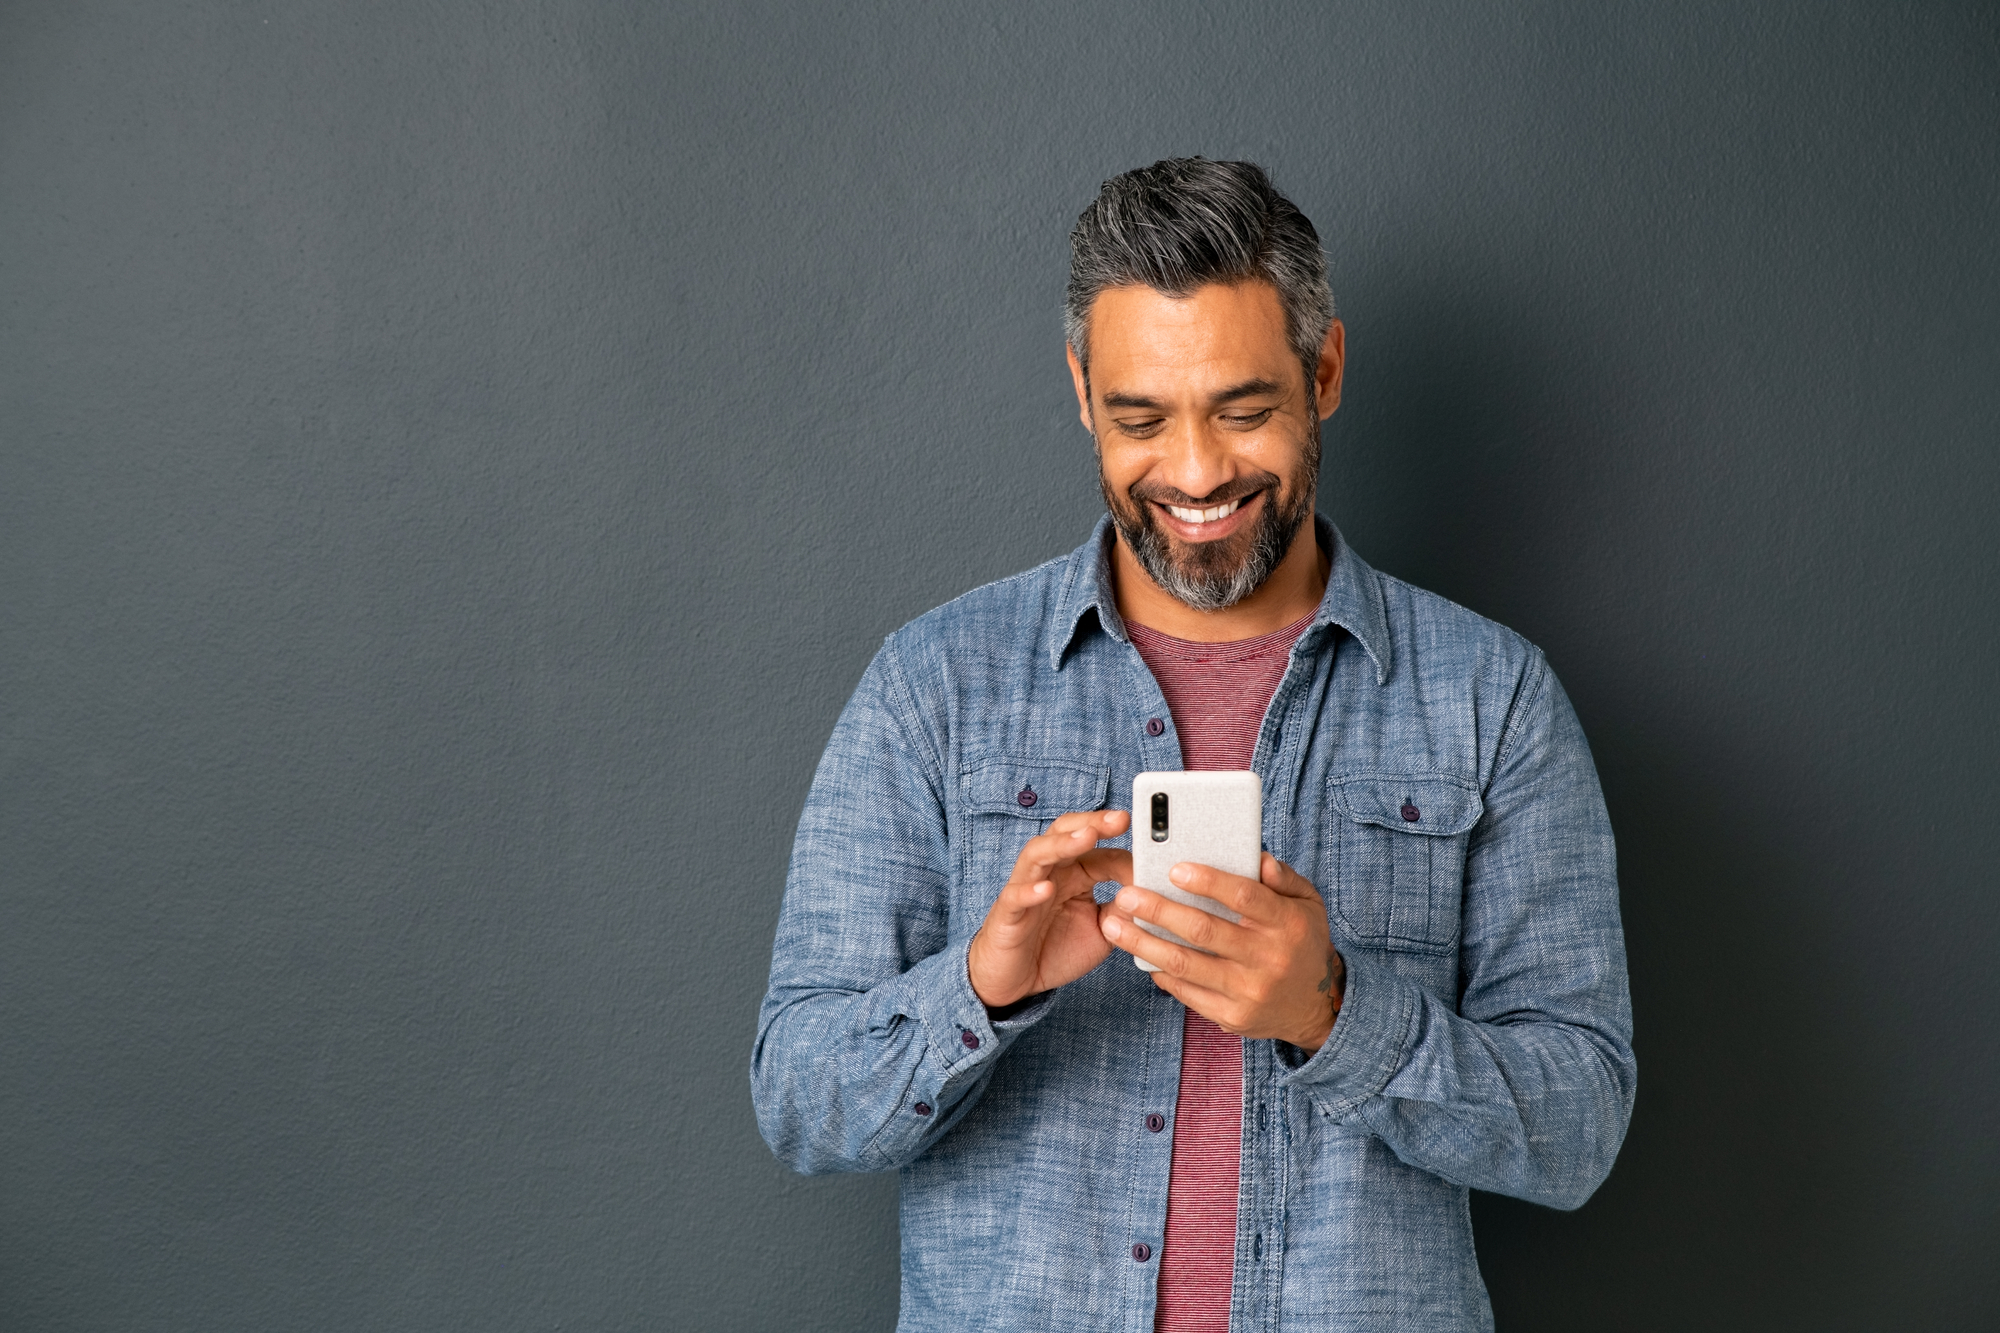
{"points": [[1158, 746], [1265, 1151]]}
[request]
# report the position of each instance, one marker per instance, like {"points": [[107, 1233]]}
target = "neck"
{"points": [[1293, 590]]}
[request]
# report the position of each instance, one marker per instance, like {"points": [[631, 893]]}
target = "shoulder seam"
{"points": [[1524, 700], [903, 709]]}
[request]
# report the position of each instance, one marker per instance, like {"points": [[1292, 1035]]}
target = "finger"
{"points": [[1174, 959], [1104, 865], [1202, 929], [1018, 903], [1071, 820], [1213, 1005], [1282, 879], [1066, 837], [1240, 894]]}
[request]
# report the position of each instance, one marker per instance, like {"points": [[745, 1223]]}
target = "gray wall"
{"points": [[456, 458]]}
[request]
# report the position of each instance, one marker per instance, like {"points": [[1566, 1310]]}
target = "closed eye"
{"points": [[1247, 420]]}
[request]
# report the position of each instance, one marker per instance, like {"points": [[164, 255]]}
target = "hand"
{"points": [[1042, 931], [1276, 974]]}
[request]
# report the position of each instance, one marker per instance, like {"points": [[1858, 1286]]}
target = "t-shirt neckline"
{"points": [[1226, 650]]}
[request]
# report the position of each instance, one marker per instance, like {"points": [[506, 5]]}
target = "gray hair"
{"points": [[1183, 223]]}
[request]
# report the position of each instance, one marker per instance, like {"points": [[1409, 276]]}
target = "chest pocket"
{"points": [[1398, 863], [1008, 801]]}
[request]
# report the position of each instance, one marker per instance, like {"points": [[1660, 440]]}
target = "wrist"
{"points": [[1332, 990], [1311, 1038], [987, 993], [1000, 1013]]}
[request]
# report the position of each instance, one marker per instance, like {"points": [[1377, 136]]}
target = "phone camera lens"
{"points": [[1159, 816]]}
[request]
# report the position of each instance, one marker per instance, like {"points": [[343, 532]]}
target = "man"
{"points": [[1426, 991]]}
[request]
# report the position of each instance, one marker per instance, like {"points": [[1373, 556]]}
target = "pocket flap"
{"points": [[1409, 802], [1033, 789]]}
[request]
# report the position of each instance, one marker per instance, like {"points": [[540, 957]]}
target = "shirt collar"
{"points": [[1353, 599]]}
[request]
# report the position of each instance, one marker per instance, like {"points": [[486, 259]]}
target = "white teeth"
{"points": [[1204, 515]]}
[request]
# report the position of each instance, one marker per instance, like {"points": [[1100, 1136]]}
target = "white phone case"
{"points": [[1213, 819]]}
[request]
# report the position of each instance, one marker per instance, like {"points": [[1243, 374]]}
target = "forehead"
{"points": [[1218, 334]]}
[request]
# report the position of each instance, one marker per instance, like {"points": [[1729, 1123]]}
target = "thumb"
{"points": [[1281, 878]]}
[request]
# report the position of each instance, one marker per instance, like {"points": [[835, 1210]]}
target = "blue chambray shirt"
{"points": [[1485, 1038]]}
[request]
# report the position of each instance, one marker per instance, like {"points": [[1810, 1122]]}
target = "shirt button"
{"points": [[971, 1039], [1154, 726], [1027, 797], [1156, 1122], [1141, 1252], [922, 1108], [1411, 813]]}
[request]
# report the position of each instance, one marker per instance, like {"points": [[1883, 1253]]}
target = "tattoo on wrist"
{"points": [[1326, 986]]}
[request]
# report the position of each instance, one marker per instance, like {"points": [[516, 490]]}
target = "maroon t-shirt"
{"points": [[1217, 693]]}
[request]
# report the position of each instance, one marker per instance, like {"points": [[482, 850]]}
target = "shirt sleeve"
{"points": [[871, 1042], [1525, 1088]]}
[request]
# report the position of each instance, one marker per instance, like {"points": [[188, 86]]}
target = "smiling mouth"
{"points": [[1209, 515]]}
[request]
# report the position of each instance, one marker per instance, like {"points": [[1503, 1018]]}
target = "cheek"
{"points": [[1122, 466], [1277, 449]]}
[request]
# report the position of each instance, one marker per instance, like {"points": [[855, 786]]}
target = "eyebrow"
{"points": [[1247, 389]]}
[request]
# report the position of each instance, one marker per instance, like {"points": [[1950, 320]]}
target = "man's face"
{"points": [[1207, 432]]}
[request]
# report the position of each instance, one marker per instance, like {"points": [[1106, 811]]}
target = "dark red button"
{"points": [[1027, 797], [971, 1039], [1156, 1122], [922, 1108], [1154, 726], [1141, 1252], [1411, 813]]}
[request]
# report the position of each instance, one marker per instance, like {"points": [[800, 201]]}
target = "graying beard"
{"points": [[1205, 591]]}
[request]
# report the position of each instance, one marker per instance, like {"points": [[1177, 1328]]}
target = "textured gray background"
{"points": [[456, 458]]}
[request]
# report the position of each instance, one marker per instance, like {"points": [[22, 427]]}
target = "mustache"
{"points": [[1240, 489]]}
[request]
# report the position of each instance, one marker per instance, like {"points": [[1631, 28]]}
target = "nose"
{"points": [[1198, 460]]}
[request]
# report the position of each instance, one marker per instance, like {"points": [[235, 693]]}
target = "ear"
{"points": [[1082, 387], [1332, 361]]}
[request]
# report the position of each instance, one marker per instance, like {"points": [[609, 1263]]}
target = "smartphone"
{"points": [[1212, 819]]}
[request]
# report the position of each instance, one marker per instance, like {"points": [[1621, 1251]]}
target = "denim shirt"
{"points": [[1420, 765]]}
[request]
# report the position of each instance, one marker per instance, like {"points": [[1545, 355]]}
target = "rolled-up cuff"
{"points": [[1372, 1038], [960, 1033]]}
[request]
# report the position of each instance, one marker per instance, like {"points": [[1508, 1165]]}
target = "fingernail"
{"points": [[1112, 930], [1181, 874]]}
